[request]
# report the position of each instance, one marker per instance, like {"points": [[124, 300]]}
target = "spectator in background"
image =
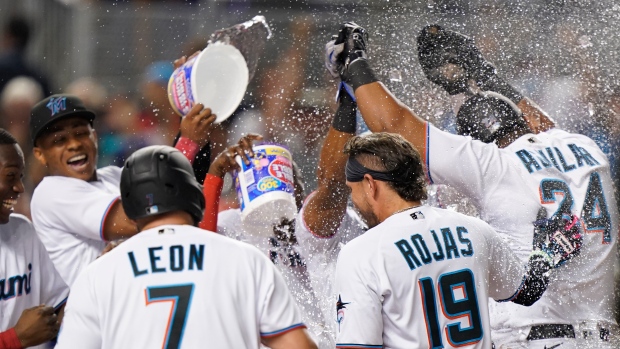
{"points": [[117, 125], [15, 37], [16, 99], [157, 121]]}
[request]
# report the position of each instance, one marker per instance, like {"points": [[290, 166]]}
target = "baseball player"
{"points": [[281, 247], [509, 173], [324, 222], [76, 208], [386, 278], [187, 287], [32, 294]]}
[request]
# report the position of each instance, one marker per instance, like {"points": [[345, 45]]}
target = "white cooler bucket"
{"points": [[266, 188], [217, 77]]}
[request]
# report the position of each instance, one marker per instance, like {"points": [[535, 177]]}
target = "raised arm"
{"points": [[324, 210], [454, 62], [381, 110], [223, 163]]}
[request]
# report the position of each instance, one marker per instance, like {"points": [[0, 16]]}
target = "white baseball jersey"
{"points": [[292, 267], [321, 255], [421, 279], [177, 286], [556, 170], [28, 277], [69, 213]]}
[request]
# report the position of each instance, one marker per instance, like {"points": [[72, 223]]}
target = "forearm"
{"points": [[9, 340], [188, 147], [212, 191], [331, 177], [535, 281], [324, 210], [536, 118], [383, 112]]}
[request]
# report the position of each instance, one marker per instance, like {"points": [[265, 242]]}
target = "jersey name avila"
{"points": [[443, 247], [174, 259], [536, 160], [15, 286]]}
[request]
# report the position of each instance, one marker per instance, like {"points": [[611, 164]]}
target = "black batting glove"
{"points": [[451, 59], [559, 237], [355, 69]]}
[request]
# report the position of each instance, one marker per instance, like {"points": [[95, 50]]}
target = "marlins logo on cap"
{"points": [[57, 105], [54, 108]]}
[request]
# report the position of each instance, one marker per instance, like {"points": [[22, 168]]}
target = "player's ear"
{"points": [[371, 185], [38, 154]]}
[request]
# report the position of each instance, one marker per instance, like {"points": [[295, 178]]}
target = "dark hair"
{"points": [[19, 30], [6, 137], [390, 152]]}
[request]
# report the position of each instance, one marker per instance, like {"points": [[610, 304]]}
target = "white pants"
{"points": [[587, 336]]}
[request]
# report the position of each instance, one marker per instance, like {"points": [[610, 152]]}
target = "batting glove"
{"points": [[450, 59], [559, 237]]}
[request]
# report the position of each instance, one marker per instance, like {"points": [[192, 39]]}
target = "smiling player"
{"points": [[76, 208]]}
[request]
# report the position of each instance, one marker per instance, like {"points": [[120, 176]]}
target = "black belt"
{"points": [[547, 331], [561, 331]]}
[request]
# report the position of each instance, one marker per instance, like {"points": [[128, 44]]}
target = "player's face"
{"points": [[69, 149], [360, 201], [11, 172]]}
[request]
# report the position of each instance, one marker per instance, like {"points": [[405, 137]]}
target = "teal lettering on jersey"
{"points": [[16, 285], [450, 244], [470, 248], [447, 247], [174, 263], [528, 161], [537, 160]]}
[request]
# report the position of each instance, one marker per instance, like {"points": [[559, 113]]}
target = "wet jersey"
{"points": [[28, 277], [421, 279], [69, 213], [284, 254], [557, 170], [320, 255], [177, 286]]}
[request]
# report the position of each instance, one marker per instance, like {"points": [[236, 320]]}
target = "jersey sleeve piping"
{"points": [[105, 216], [355, 345], [427, 152], [282, 331], [303, 221], [61, 303]]}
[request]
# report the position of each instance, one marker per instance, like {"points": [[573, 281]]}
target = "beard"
{"points": [[367, 215]]}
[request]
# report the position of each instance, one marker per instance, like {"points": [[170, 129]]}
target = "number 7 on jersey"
{"points": [[181, 298]]}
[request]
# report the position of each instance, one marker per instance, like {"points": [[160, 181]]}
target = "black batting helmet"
{"points": [[488, 116], [159, 179]]}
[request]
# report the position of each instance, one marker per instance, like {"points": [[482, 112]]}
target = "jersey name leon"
{"points": [[536, 160], [441, 248], [15, 285], [174, 261]]}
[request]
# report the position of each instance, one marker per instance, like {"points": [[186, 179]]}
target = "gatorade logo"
{"points": [[281, 169], [268, 184]]}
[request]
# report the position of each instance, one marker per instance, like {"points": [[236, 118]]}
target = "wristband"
{"points": [[9, 339], [345, 119], [212, 191], [188, 147], [359, 73]]}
